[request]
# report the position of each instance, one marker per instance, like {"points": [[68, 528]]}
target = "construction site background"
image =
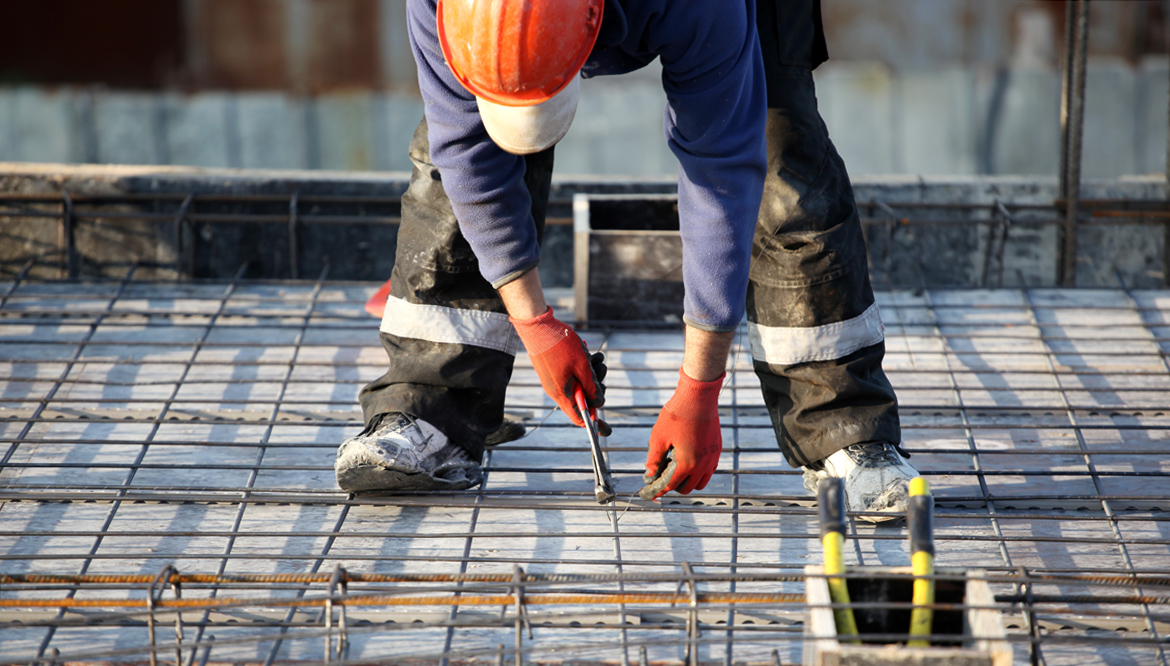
{"points": [[925, 87]]}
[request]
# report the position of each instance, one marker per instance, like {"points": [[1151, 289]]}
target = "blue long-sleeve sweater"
{"points": [[712, 74]]}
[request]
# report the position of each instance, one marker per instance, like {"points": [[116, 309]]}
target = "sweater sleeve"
{"points": [[484, 183], [714, 83]]}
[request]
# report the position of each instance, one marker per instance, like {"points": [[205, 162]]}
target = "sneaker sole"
{"points": [[509, 431], [896, 496], [881, 519], [369, 478]]}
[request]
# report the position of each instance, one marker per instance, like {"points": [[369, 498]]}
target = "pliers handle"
{"points": [[602, 483]]}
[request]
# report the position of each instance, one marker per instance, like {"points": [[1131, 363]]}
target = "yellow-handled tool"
{"points": [[831, 502], [920, 520]]}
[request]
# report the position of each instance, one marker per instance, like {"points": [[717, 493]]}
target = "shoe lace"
{"points": [[397, 421], [409, 421], [874, 454]]}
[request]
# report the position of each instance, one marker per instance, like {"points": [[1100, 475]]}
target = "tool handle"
{"points": [[587, 412], [920, 521], [921, 615], [831, 504], [920, 517], [834, 546]]}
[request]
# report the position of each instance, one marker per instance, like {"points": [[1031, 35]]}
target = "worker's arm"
{"points": [[689, 422], [713, 77], [558, 355], [484, 184]]}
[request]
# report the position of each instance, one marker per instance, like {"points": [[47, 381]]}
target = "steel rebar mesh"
{"points": [[148, 424]]}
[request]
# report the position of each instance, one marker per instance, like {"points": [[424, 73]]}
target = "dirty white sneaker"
{"points": [[877, 478], [404, 453]]}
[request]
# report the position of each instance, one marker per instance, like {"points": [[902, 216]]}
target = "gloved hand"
{"points": [[562, 361], [688, 425]]}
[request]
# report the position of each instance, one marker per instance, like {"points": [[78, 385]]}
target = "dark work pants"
{"points": [[458, 388], [810, 277]]}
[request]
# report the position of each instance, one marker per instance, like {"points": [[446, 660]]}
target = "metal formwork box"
{"points": [[627, 259], [979, 637]]}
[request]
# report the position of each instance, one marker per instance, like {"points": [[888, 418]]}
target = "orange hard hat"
{"points": [[517, 52]]}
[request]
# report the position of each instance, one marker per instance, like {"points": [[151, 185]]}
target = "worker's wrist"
{"points": [[524, 296], [697, 387], [545, 317], [705, 358], [693, 399]]}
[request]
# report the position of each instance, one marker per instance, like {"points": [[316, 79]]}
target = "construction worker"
{"points": [[499, 80]]}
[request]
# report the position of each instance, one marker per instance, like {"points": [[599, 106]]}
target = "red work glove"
{"points": [[688, 424], [562, 362]]}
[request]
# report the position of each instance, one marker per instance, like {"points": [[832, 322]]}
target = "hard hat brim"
{"points": [[522, 130]]}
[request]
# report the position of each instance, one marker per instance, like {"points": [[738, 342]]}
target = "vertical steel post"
{"points": [[71, 259], [1072, 131], [1066, 87], [180, 229], [1166, 226], [293, 245], [581, 232]]}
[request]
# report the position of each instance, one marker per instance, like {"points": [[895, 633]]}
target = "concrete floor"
{"points": [[144, 424]]}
